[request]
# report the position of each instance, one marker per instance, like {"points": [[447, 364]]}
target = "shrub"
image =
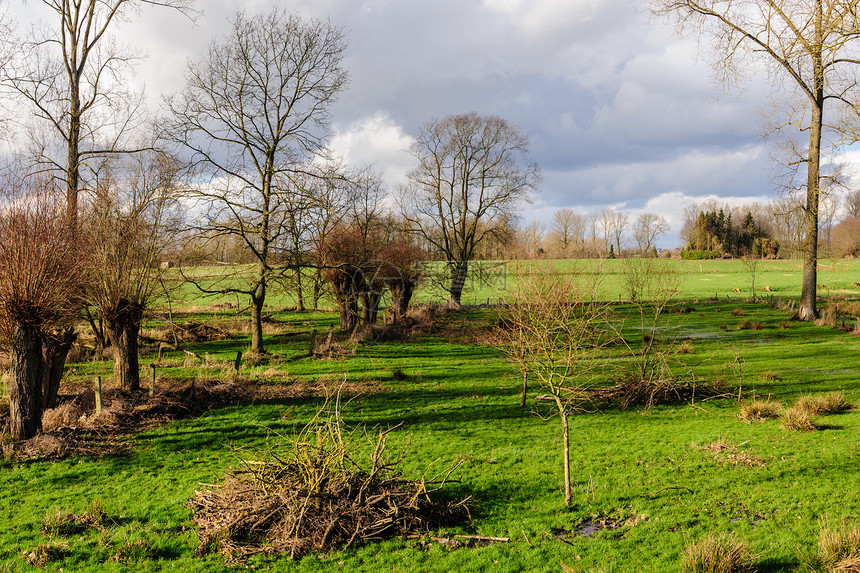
{"points": [[700, 255], [744, 325], [760, 410], [839, 549], [717, 554], [797, 419]]}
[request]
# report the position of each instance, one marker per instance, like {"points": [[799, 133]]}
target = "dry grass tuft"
{"points": [[745, 325], [784, 324], [760, 410], [717, 554], [797, 419], [830, 403], [737, 311], [685, 347], [46, 553], [61, 523], [839, 548]]}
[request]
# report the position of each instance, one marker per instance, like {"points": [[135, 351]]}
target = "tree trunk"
{"points": [[257, 322], [25, 403], [458, 281], [300, 299], [123, 329], [525, 388], [370, 306], [54, 352], [808, 309], [565, 432]]}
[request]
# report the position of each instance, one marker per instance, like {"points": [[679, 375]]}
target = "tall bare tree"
{"points": [[810, 45], [255, 109], [74, 75], [648, 228], [567, 231], [473, 174], [852, 204]]}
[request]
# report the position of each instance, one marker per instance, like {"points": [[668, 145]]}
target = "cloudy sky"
{"points": [[621, 112]]}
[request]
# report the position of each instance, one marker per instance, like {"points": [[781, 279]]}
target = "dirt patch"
{"points": [[730, 454]]}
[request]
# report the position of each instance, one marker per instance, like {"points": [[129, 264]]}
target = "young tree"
{"points": [[255, 109], [472, 174], [40, 279], [811, 45], [551, 331], [132, 204]]}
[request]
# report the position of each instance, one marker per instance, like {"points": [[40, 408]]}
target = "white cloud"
{"points": [[376, 140]]}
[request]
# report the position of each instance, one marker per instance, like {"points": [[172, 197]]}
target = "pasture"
{"points": [[647, 480]]}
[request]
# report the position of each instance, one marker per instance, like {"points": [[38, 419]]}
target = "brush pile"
{"points": [[312, 494], [647, 392]]}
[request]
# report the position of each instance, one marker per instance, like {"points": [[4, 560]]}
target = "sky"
{"points": [[621, 111]]}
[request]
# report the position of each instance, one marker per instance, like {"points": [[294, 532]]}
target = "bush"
{"points": [[699, 255], [715, 554]]}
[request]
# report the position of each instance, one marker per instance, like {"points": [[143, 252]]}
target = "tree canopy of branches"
{"points": [[40, 274], [253, 112], [648, 228], [812, 45], [550, 331], [472, 174], [126, 225], [74, 75]]}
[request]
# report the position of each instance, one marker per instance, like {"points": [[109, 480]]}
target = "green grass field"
{"points": [[651, 474]]}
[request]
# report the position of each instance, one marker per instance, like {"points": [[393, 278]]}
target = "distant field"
{"points": [[725, 280]]}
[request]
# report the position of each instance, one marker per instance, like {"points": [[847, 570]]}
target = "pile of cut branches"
{"points": [[312, 493], [636, 391]]}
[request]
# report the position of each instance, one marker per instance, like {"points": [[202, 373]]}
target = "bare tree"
{"points": [[648, 228], [133, 202], [619, 223], [810, 45], [567, 231], [254, 110], [40, 279], [74, 75], [472, 175], [531, 239], [852, 204]]}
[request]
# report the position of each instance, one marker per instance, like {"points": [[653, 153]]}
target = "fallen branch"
{"points": [[653, 493], [483, 538]]}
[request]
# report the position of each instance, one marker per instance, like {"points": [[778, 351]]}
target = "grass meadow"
{"points": [[647, 481]]}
